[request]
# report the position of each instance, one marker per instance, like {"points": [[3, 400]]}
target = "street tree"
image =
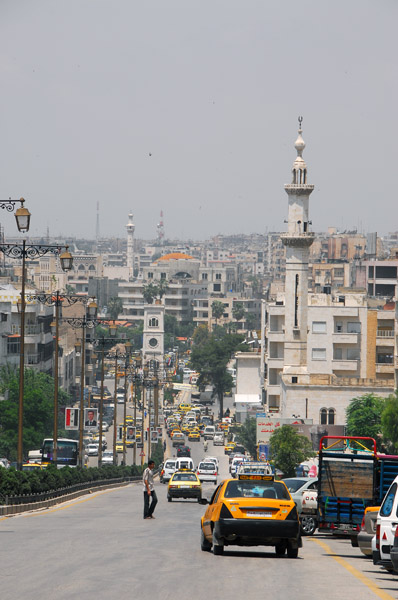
{"points": [[389, 423], [150, 292], [38, 413], [115, 307], [217, 310], [210, 357], [364, 416], [238, 311], [287, 449], [246, 435]]}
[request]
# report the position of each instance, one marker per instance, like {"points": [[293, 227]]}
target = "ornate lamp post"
{"points": [[57, 300], [23, 252]]}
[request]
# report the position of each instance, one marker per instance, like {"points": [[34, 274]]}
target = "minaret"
{"points": [[130, 245], [297, 240]]}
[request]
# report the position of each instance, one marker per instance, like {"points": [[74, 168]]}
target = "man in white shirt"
{"points": [[149, 491]]}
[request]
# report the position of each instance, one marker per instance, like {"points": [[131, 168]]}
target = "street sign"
{"points": [[142, 453]]}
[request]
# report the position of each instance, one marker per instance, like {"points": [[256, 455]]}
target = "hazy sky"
{"points": [[191, 106]]}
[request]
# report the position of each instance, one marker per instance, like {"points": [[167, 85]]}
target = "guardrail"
{"points": [[17, 504]]}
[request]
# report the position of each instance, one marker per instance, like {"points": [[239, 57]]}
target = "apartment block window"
{"points": [[204, 276], [353, 354], [218, 275], [339, 327], [217, 287], [354, 327], [319, 327], [339, 272], [150, 275], [13, 346], [205, 315], [338, 354], [371, 272], [163, 276], [319, 354]]}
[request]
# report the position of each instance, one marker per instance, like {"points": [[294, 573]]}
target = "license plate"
{"points": [[184, 486], [345, 527], [266, 515]]}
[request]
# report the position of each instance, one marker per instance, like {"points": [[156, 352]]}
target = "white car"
{"points": [[207, 471], [385, 528], [236, 464], [212, 459], [107, 457], [169, 468], [92, 449]]}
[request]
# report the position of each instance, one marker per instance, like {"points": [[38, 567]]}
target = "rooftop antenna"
{"points": [[300, 120]]}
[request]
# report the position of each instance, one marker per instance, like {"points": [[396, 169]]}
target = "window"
{"points": [[339, 272], [163, 276], [353, 354], [338, 354], [150, 275], [331, 415], [153, 322], [371, 272], [13, 345], [204, 276], [354, 327], [339, 327], [218, 275], [386, 272], [217, 287], [319, 327], [388, 501], [323, 415], [319, 354]]}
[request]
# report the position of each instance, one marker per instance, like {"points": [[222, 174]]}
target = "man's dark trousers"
{"points": [[148, 509]]}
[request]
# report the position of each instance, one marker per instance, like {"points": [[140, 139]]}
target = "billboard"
{"points": [[90, 419], [265, 426]]}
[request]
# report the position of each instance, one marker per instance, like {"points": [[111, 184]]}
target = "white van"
{"points": [[209, 432], [169, 468], [385, 528], [184, 463]]}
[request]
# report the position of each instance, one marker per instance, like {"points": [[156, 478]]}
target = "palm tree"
{"points": [[217, 310], [115, 307], [238, 311]]}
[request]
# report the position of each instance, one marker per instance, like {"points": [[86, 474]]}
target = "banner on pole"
{"points": [[71, 418]]}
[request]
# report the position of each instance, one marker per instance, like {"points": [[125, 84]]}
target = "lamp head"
{"points": [[66, 260], [22, 217]]}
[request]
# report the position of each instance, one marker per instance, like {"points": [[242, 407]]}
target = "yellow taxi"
{"points": [[253, 510], [184, 483], [33, 466], [185, 407], [129, 419], [185, 429], [230, 447], [194, 436]]}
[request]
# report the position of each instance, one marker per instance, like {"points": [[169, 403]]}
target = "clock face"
{"points": [[153, 342]]}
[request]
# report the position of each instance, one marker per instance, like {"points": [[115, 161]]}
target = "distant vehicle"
{"points": [[209, 432], [107, 457], [183, 451], [92, 449], [67, 452], [207, 471], [169, 468], [218, 439]]}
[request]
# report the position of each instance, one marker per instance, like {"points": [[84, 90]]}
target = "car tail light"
{"points": [[396, 532], [363, 524], [378, 537]]}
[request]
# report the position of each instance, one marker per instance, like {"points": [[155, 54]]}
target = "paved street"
{"points": [[100, 547]]}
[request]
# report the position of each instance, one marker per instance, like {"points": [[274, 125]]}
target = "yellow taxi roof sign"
{"points": [[254, 477]]}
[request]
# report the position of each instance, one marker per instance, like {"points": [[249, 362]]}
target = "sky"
{"points": [[191, 107]]}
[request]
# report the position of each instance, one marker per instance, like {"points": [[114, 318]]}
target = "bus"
{"points": [[67, 452]]}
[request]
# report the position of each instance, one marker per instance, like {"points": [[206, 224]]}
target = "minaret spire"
{"points": [[130, 245], [297, 240]]}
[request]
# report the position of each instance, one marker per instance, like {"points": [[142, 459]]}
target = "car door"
{"points": [[207, 519]]}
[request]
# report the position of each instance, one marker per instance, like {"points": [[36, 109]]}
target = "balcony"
{"points": [[32, 359], [276, 336], [385, 367], [385, 333], [344, 365], [345, 338]]}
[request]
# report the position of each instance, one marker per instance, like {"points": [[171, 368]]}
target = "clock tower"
{"points": [[153, 334]]}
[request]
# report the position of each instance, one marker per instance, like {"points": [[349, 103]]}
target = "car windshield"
{"points": [[294, 484], [256, 489], [184, 477]]}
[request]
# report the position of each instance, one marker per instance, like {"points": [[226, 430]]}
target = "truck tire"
{"points": [[308, 524]]}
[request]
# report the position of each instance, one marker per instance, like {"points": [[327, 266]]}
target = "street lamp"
{"points": [[25, 251], [127, 349], [57, 299], [22, 215]]}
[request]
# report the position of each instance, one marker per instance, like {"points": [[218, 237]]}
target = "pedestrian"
{"points": [[149, 491], [164, 446]]}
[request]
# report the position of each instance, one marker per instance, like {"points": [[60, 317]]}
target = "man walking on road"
{"points": [[149, 491]]}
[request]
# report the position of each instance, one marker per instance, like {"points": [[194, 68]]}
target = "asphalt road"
{"points": [[99, 546]]}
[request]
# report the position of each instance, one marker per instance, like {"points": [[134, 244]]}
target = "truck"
{"points": [[352, 476]]}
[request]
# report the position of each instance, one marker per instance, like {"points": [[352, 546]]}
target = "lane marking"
{"points": [[69, 504], [365, 580]]}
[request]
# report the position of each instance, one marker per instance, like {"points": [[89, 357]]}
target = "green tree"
{"points": [[238, 311], [389, 422], [38, 417], [217, 310], [211, 357], [246, 435], [288, 449], [115, 307], [150, 292], [364, 416], [251, 321]]}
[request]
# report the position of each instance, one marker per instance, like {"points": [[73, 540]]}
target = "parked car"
{"points": [[368, 530]]}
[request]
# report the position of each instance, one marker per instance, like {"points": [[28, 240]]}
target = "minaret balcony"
{"points": [[299, 189], [298, 240]]}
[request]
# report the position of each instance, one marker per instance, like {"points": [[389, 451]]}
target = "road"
{"points": [[99, 546]]}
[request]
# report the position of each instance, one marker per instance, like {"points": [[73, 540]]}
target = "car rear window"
{"points": [[207, 466], [184, 477], [256, 489], [294, 484]]}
